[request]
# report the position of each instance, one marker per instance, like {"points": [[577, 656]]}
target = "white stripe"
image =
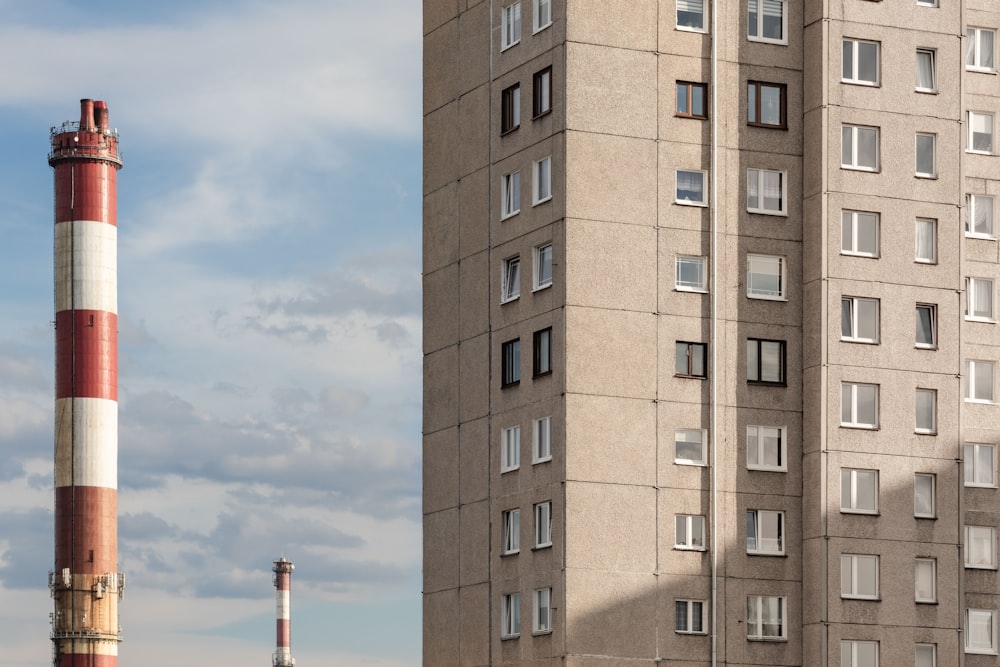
{"points": [[92, 281], [283, 606], [94, 426]]}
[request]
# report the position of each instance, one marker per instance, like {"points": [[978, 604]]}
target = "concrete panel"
{"points": [[441, 560], [474, 213], [474, 379], [627, 261], [441, 472], [474, 48], [441, 623], [474, 289], [441, 222], [611, 91], [475, 543], [611, 528], [441, 79], [608, 352], [441, 389], [436, 13], [610, 178], [611, 613], [629, 25], [474, 626], [474, 463], [440, 154], [612, 440], [441, 315]]}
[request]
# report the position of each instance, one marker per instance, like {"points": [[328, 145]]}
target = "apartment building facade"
{"points": [[710, 336]]}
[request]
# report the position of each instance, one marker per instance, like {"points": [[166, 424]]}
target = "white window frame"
{"points": [[759, 27], [543, 524], [510, 25], [929, 480], [852, 403], [541, 275], [851, 223], [510, 616], [541, 611], [983, 618], [852, 504], [510, 279], [850, 648], [974, 368], [510, 448], [510, 194], [927, 395], [932, 309], [757, 182], [693, 436], [541, 449], [923, 651], [927, 566], [973, 52], [693, 7], [755, 451], [852, 142], [975, 288], [689, 532], [974, 206], [853, 77], [684, 622], [761, 544], [510, 542], [754, 261], [851, 573], [855, 304], [689, 173], [541, 181], [923, 173], [974, 473], [682, 285], [920, 255], [931, 55], [970, 138], [755, 618], [987, 536], [541, 15]]}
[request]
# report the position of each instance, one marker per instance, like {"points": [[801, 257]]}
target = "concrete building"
{"points": [[710, 332]]}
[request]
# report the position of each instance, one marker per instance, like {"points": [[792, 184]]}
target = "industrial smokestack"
{"points": [[85, 584], [283, 583]]}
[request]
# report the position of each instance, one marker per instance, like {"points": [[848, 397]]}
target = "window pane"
{"points": [[770, 105], [926, 236], [925, 70], [867, 490], [867, 147], [925, 154], [848, 59], [923, 495], [925, 325]]}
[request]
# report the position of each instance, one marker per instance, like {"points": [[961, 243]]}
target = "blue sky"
{"points": [[269, 303]]}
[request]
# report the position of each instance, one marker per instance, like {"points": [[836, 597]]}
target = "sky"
{"points": [[269, 321]]}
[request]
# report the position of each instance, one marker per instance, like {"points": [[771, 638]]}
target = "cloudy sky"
{"points": [[269, 300]]}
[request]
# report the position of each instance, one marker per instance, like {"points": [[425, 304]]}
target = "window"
{"points": [[926, 325], [543, 267], [766, 448], [542, 15], [691, 15], [690, 361], [859, 233], [766, 106], [691, 188], [541, 100], [923, 495], [689, 447], [689, 617], [859, 576], [510, 286], [510, 194], [926, 165], [542, 448], [510, 353], [543, 525], [542, 611], [766, 192], [979, 382], [926, 411], [979, 216], [925, 580], [690, 532], [541, 363], [980, 132], [765, 532], [859, 148], [980, 631], [979, 49], [765, 617], [979, 299], [510, 448], [766, 20], [860, 62], [765, 361], [541, 179], [980, 547], [854, 653], [511, 616], [980, 464], [510, 25], [511, 531], [766, 277], [926, 654], [691, 98], [510, 108], [691, 275], [926, 79], [858, 405], [858, 491], [859, 319], [926, 241]]}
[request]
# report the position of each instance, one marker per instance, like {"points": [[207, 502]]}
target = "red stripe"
{"points": [[88, 369], [86, 529], [87, 660], [284, 633], [283, 581], [86, 190]]}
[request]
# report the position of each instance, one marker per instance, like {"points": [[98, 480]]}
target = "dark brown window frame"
{"points": [[691, 346], [510, 363], [508, 110], [536, 93], [783, 382], [541, 364], [783, 88], [689, 88]]}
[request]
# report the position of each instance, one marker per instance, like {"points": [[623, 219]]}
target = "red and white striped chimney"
{"points": [[86, 584], [283, 583]]}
